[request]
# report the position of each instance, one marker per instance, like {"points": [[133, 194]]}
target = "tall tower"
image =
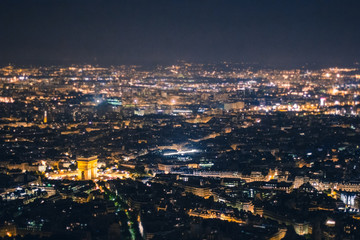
{"points": [[87, 167], [45, 117]]}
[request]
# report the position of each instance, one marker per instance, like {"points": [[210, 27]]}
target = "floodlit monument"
{"points": [[87, 167]]}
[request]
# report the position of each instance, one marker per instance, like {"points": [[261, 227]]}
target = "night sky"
{"points": [[279, 33]]}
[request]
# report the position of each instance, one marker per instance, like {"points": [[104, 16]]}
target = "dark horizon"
{"points": [[152, 65], [271, 33]]}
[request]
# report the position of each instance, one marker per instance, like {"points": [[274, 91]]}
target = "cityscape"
{"points": [[177, 149], [180, 146]]}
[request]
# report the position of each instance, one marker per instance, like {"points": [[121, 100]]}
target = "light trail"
{"points": [[181, 152]]}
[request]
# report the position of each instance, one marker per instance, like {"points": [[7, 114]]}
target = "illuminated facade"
{"points": [[87, 167], [45, 117]]}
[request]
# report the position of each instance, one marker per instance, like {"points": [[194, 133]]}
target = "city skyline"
{"points": [[179, 119]]}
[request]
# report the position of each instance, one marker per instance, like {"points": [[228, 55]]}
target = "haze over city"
{"points": [[277, 33]]}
